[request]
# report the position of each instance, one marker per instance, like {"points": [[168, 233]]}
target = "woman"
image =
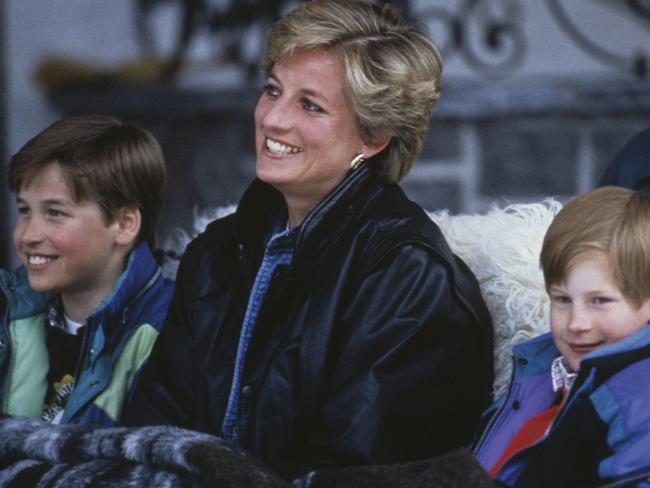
{"points": [[326, 322]]}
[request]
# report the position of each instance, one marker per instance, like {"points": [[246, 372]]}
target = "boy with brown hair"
{"points": [[80, 317], [577, 412]]}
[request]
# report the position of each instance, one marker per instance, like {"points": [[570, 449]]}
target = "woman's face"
{"points": [[305, 132]]}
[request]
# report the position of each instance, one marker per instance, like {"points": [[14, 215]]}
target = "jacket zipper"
{"points": [[495, 415], [554, 423], [556, 420], [82, 354], [86, 333]]}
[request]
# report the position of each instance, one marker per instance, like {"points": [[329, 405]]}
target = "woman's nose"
{"points": [[276, 114]]}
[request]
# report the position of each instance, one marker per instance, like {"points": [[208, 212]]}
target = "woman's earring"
{"points": [[357, 161]]}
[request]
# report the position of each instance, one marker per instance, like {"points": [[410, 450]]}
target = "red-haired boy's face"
{"points": [[589, 311], [66, 246]]}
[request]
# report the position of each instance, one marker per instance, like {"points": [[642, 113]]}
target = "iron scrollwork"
{"points": [[636, 63], [225, 21], [640, 8], [487, 34], [499, 50]]}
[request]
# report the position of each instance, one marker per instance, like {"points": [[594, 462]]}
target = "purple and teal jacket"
{"points": [[600, 436]]}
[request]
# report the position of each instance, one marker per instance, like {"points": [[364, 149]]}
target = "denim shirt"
{"points": [[278, 252]]}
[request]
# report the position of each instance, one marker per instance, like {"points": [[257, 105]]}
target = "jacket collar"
{"points": [[538, 353], [637, 340], [21, 300], [109, 321], [140, 269], [534, 357], [613, 357], [261, 204]]}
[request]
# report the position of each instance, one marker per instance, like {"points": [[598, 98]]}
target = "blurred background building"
{"points": [[537, 97]]}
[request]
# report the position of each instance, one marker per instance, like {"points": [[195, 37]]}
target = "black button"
{"points": [[522, 361], [516, 405], [246, 390]]}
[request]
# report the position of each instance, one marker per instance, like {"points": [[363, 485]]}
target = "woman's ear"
{"points": [[379, 143], [127, 225]]}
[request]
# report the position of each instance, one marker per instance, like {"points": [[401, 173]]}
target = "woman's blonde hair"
{"points": [[392, 71], [612, 222]]}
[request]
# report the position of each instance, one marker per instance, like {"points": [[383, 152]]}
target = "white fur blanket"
{"points": [[501, 247]]}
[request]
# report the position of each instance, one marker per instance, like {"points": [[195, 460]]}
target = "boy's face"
{"points": [[589, 311], [66, 246]]}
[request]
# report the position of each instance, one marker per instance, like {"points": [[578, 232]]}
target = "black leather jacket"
{"points": [[373, 346]]}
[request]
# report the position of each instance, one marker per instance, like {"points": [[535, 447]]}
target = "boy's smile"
{"points": [[66, 246], [35, 261], [589, 310]]}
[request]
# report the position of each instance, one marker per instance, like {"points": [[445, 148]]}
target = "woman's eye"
{"points": [[271, 90], [310, 106], [23, 210], [52, 212], [601, 300]]}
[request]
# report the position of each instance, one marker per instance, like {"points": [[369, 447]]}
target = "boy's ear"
{"points": [[128, 222]]}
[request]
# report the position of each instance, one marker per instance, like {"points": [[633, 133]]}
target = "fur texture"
{"points": [[35, 453], [174, 246], [455, 469], [502, 249]]}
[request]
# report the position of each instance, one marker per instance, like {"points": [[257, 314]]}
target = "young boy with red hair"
{"points": [[577, 412]]}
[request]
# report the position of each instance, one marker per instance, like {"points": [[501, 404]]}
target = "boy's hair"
{"points": [[613, 222], [103, 160]]}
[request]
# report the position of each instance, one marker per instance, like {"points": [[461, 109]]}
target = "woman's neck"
{"points": [[297, 210]]}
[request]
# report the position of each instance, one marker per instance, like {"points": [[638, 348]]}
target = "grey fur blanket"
{"points": [[33, 453], [455, 469]]}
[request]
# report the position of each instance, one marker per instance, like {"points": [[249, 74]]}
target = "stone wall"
{"points": [[524, 140]]}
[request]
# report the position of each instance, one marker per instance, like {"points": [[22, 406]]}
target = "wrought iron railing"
{"points": [[488, 35]]}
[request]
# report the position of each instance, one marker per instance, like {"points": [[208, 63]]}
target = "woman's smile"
{"points": [[279, 148], [303, 120]]}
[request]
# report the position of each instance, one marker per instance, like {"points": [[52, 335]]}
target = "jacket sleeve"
{"points": [[603, 436], [411, 375], [164, 390], [621, 405]]}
